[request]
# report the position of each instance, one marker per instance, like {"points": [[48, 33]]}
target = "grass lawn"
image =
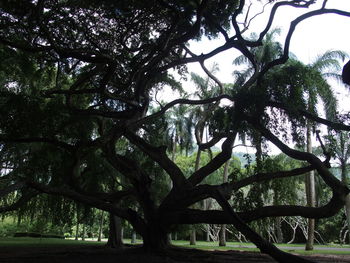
{"points": [[51, 242], [45, 242], [293, 248]]}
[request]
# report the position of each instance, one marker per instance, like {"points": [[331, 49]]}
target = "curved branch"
{"points": [[82, 198], [196, 216], [274, 10], [212, 142], [215, 163], [260, 177], [158, 154], [292, 27], [180, 101]]}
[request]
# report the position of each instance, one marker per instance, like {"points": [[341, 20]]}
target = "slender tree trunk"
{"points": [[347, 212], [19, 219], [193, 237], [279, 233], [207, 232], [259, 155], [196, 167], [77, 231], [347, 200], [115, 238], [84, 232], [173, 155], [133, 237], [222, 232], [222, 236], [310, 195], [101, 227]]}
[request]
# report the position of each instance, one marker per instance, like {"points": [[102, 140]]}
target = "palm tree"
{"points": [[205, 88], [267, 52], [324, 66], [340, 144]]}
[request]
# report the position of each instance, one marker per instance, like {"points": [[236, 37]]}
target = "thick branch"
{"points": [[158, 154], [180, 101], [82, 198], [215, 163], [292, 28], [260, 177], [194, 216]]}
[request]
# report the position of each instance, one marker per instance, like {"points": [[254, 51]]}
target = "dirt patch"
{"points": [[93, 254]]}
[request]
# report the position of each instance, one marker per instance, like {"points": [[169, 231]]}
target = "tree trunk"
{"points": [[155, 237], [77, 231], [101, 227], [207, 233], [222, 236], [170, 237], [196, 167], [115, 238], [310, 195], [347, 212], [193, 237], [279, 233], [133, 237], [222, 232], [84, 232], [347, 200]]}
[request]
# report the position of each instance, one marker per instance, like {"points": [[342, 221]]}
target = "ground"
{"points": [[93, 254]]}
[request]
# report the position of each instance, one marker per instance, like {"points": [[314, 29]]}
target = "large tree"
{"points": [[95, 66]]}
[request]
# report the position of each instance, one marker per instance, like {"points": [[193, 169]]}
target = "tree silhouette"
{"points": [[107, 59]]}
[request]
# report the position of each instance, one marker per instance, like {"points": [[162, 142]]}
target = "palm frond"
{"points": [[330, 59]]}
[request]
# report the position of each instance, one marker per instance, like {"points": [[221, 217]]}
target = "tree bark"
{"points": [[347, 212], [222, 232], [133, 237], [84, 232], [222, 236], [77, 231], [347, 200], [310, 195], [155, 237], [99, 238], [115, 238], [193, 237], [279, 232]]}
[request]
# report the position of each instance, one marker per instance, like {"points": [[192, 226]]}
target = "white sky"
{"points": [[312, 37]]}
